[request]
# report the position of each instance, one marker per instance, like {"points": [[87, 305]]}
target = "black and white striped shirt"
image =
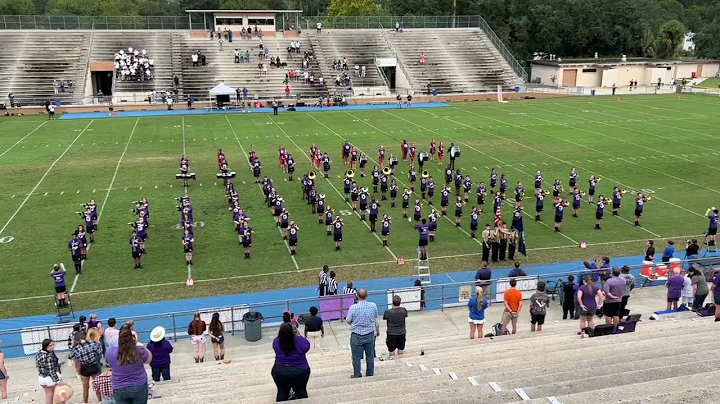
{"points": [[332, 286], [349, 291], [323, 279]]}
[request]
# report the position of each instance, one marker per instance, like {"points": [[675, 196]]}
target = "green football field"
{"points": [[663, 146]]}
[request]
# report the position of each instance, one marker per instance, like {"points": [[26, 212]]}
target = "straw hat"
{"points": [[157, 334], [63, 393]]}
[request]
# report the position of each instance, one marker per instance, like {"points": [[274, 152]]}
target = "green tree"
{"points": [[355, 7], [243, 5], [707, 43], [17, 7], [669, 39]]}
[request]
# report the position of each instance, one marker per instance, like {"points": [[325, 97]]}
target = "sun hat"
{"points": [[63, 393], [157, 334]]}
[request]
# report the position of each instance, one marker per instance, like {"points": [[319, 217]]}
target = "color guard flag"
{"points": [[498, 219], [521, 243]]}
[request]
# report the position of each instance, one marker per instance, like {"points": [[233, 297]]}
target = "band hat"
{"points": [[157, 334]]}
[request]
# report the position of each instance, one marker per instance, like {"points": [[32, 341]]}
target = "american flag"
{"points": [[498, 218]]}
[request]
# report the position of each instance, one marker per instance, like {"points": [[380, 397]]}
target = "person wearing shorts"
{"points": [[48, 367], [396, 332], [196, 331], [614, 289], [513, 303], [539, 301], [476, 313]]}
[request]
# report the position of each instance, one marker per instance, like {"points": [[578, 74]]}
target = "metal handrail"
{"points": [[504, 51], [401, 62]]}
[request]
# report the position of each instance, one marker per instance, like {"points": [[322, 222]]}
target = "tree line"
{"points": [[566, 28]]}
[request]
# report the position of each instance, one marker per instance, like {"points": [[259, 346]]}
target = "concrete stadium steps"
{"points": [[456, 60], [359, 46], [157, 43], [31, 60], [198, 81]]}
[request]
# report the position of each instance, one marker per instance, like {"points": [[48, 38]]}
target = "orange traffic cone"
{"points": [[679, 97], [618, 99]]}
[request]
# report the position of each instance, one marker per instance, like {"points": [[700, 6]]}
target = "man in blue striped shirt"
{"points": [[362, 318]]}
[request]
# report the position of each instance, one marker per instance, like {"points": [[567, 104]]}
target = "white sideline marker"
{"points": [[422, 367], [436, 371], [553, 400], [522, 394], [62, 192], [409, 364], [473, 381], [494, 386], [12, 196], [453, 375]]}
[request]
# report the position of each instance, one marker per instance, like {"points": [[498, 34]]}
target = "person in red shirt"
{"points": [[513, 303]]}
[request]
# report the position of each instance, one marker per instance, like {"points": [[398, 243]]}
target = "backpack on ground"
{"points": [[708, 310], [497, 328]]}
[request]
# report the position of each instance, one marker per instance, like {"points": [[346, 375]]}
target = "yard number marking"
{"points": [[6, 239], [199, 225], [346, 213]]}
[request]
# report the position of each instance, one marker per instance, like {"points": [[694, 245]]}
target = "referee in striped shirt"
{"points": [[323, 280], [349, 289], [332, 285]]}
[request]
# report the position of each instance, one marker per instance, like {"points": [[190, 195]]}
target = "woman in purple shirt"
{"points": [[586, 298], [674, 286], [127, 361], [160, 348], [716, 296], [291, 369]]}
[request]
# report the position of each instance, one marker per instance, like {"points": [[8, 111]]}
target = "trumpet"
{"points": [[545, 192], [646, 198], [582, 193], [520, 208], [623, 191], [349, 174], [387, 170], [425, 174], [565, 203], [312, 175], [606, 200]]}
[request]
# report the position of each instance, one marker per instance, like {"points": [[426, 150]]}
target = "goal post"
{"points": [[500, 94]]}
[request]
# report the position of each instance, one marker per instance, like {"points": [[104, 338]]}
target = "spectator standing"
{"points": [[220, 43], [513, 303], [160, 348], [291, 369], [674, 286], [568, 304], [586, 299], [349, 289], [539, 302], [614, 290], [396, 332], [362, 318], [476, 316], [111, 333], [332, 285], [318, 27], [692, 251], [127, 361], [629, 286], [217, 337], [687, 294], [323, 280], [88, 353], [517, 271], [314, 329], [418, 284], [482, 279], [196, 331], [650, 252], [102, 385], [94, 323], [700, 287], [716, 296], [48, 367], [3, 377], [669, 251]]}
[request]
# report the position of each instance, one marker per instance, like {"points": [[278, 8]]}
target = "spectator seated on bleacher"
{"points": [[133, 65], [63, 86]]}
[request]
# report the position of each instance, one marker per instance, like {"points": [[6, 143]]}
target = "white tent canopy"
{"points": [[222, 89]]}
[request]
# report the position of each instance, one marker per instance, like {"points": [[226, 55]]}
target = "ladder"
{"points": [[422, 269]]}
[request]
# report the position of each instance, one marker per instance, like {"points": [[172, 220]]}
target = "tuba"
{"points": [[387, 170], [349, 174], [312, 175], [425, 174]]}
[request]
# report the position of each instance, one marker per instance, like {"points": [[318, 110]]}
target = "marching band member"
{"points": [[321, 207], [412, 154], [329, 220], [363, 162], [458, 181], [467, 186], [385, 229], [441, 153], [346, 152], [412, 177], [251, 157], [458, 211], [374, 206], [284, 223], [290, 161], [363, 202], [141, 227], [481, 194], [444, 199], [184, 168], [326, 165], [404, 149], [75, 248], [277, 209], [572, 183], [433, 223], [406, 201], [504, 234], [58, 275], [135, 249], [393, 192], [486, 242], [83, 241], [493, 180], [423, 231], [617, 200], [312, 199], [417, 211], [556, 190], [577, 198], [433, 145], [712, 215], [337, 232], [292, 237], [354, 195], [313, 153], [187, 241], [384, 186], [539, 203], [353, 158], [375, 174], [517, 219], [381, 155], [430, 189], [519, 192], [318, 158], [600, 211], [448, 175], [257, 170], [347, 182], [474, 215], [559, 207], [592, 182], [282, 153], [246, 236], [639, 204], [497, 201], [89, 224], [538, 180], [503, 185]]}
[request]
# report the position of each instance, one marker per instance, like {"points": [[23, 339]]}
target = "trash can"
{"points": [[592, 92], [252, 321]]}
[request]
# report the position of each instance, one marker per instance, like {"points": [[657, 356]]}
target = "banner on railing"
{"points": [[410, 298], [335, 307], [386, 62], [464, 293], [526, 284]]}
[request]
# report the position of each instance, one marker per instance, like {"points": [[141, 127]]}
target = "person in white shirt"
{"points": [[170, 103], [305, 77], [143, 52], [321, 80], [318, 26], [130, 49], [194, 58], [357, 71], [51, 111], [264, 70], [237, 56], [111, 333], [220, 42], [362, 72]]}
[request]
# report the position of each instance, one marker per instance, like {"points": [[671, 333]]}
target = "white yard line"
{"points": [[23, 138], [565, 161], [364, 264], [43, 178], [245, 157], [107, 195], [331, 184]]}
